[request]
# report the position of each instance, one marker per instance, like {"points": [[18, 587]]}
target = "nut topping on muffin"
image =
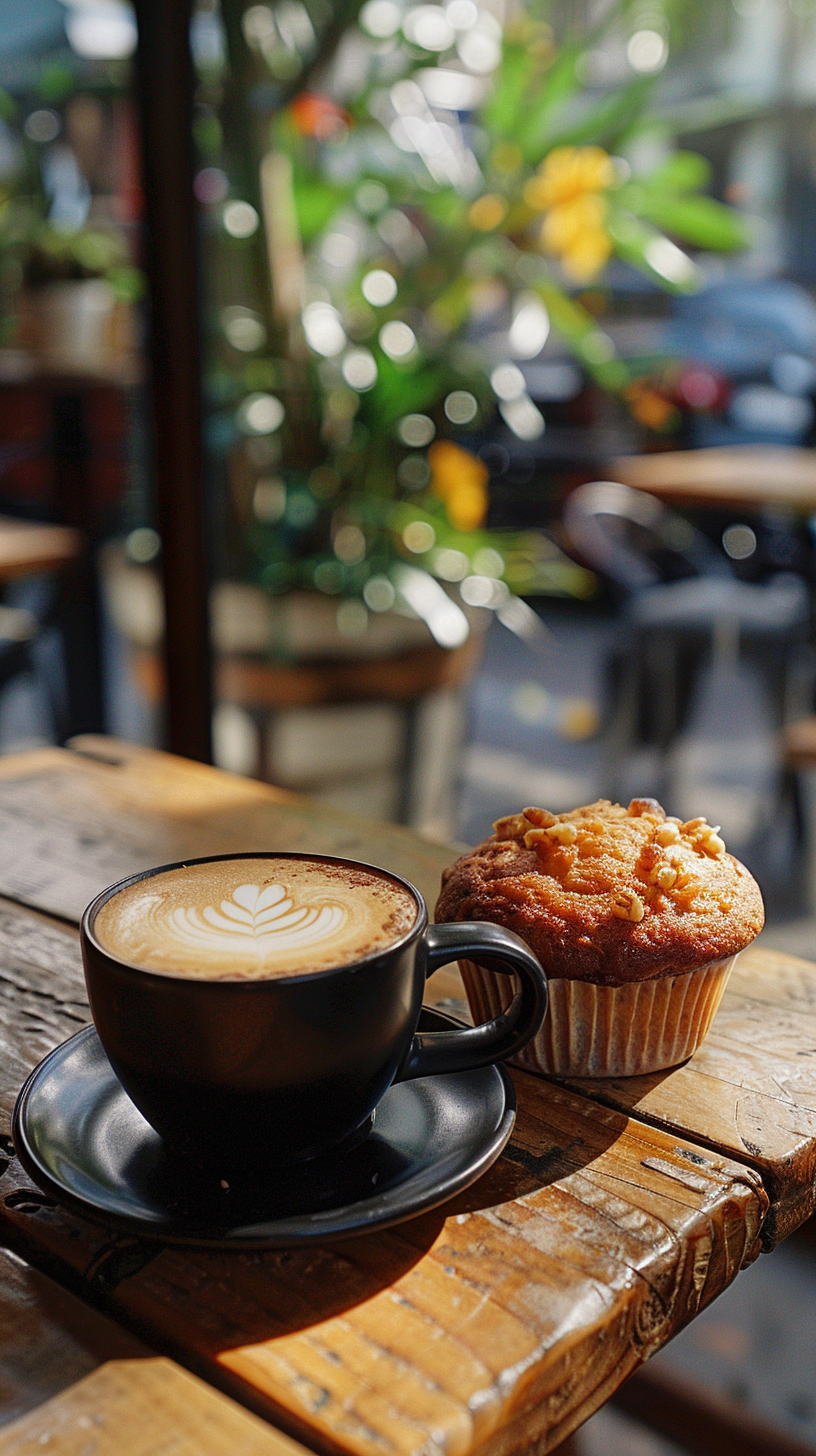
{"points": [[608, 894]]}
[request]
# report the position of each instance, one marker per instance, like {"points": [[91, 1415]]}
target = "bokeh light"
{"points": [[647, 51], [416, 430], [371, 198], [339, 250], [381, 18], [479, 47], [740, 542], [261, 414], [210, 185], [451, 565], [379, 594], [323, 329], [240, 219], [349, 545], [488, 562], [462, 14], [42, 126], [461, 407], [143, 545], [419, 536], [379, 287], [530, 328], [414, 472], [243, 328], [507, 381], [258, 25], [484, 591], [522, 417], [428, 26], [397, 340], [360, 369]]}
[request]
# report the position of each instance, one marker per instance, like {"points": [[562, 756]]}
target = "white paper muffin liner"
{"points": [[609, 1031]]}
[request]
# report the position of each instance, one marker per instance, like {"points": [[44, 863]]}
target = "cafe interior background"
{"points": [[461, 271]]}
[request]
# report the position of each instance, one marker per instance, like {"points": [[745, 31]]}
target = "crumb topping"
{"points": [[608, 892]]}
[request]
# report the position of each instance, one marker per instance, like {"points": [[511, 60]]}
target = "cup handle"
{"points": [[477, 1046]]}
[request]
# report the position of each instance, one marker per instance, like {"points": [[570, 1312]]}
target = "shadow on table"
{"points": [[279, 1292]]}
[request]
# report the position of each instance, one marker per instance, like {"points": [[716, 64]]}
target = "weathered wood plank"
{"points": [[71, 824], [750, 1090], [48, 1338], [505, 1318], [138, 1408], [51, 1341]]}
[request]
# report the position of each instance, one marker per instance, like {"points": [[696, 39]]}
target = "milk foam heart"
{"points": [[254, 918]]}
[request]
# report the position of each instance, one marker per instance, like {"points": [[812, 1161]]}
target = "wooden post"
{"points": [[164, 86]]}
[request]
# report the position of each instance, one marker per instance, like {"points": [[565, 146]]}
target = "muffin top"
{"points": [[608, 894]]}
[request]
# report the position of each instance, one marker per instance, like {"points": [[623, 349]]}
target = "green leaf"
{"points": [[680, 172], [701, 221], [558, 85], [315, 206], [446, 208], [451, 306], [500, 113], [400, 392], [603, 124], [589, 344], [651, 253]]}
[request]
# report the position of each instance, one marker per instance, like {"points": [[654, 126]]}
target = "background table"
{"points": [[725, 476], [617, 1212]]}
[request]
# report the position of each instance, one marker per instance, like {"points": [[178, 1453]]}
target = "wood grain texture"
{"points": [[48, 1338], [72, 822], [143, 1408], [725, 476], [499, 1323], [750, 1090], [502, 1320]]}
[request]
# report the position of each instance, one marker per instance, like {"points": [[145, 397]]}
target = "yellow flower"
{"points": [[567, 222], [569, 191], [649, 406], [487, 212], [586, 257], [459, 479], [569, 171]]}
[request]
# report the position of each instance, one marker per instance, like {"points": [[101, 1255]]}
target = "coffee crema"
{"points": [[254, 918]]}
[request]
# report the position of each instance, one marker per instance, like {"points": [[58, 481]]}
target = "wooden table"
{"points": [[725, 477], [30, 547], [618, 1211]]}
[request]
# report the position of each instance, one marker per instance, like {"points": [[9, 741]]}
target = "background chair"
{"points": [[681, 608]]}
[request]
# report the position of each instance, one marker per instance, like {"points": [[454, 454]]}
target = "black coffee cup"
{"points": [[290, 1066]]}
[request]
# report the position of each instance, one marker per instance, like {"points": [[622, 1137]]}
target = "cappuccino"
{"points": [[255, 918]]}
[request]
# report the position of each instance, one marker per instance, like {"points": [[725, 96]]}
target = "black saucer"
{"points": [[79, 1137]]}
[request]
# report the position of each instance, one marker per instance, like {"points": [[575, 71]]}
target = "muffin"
{"points": [[636, 917]]}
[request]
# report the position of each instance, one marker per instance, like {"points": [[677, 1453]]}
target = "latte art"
{"points": [[266, 915], [254, 918]]}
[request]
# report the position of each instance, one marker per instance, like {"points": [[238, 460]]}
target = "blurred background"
{"points": [[414, 405]]}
